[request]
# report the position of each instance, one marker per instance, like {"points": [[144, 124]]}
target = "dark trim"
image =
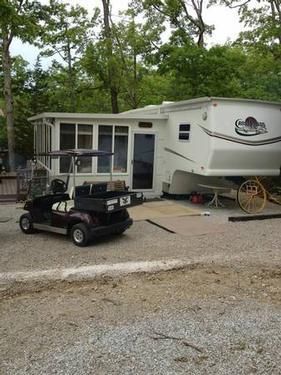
{"points": [[49, 228], [160, 226], [254, 217], [177, 154], [239, 140]]}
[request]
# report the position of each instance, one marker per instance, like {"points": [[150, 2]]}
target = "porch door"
{"points": [[143, 161]]}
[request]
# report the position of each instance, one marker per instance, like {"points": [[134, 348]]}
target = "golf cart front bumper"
{"points": [[111, 229]]}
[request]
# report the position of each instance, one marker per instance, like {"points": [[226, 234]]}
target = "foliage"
{"points": [[184, 16], [131, 57], [66, 35], [18, 18]]}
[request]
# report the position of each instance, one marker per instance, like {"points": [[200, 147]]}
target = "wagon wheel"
{"points": [[251, 196]]}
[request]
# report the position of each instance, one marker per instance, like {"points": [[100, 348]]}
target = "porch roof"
{"points": [[98, 116]]}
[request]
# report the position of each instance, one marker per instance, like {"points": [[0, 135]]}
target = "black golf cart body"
{"points": [[92, 212]]}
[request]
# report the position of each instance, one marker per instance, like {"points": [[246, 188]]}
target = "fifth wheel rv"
{"points": [[172, 147]]}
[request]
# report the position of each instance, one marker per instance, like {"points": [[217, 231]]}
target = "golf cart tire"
{"points": [[120, 232], [80, 235], [26, 224]]}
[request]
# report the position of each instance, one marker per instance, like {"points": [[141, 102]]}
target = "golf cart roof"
{"points": [[78, 152]]}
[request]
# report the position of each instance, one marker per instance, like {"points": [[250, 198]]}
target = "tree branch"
{"points": [[238, 5]]}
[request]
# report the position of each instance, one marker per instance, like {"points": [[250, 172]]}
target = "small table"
{"points": [[216, 190]]}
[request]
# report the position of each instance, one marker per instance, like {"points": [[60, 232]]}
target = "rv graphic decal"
{"points": [[239, 140], [250, 127], [176, 153]]}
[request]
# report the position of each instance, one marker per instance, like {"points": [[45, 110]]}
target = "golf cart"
{"points": [[91, 211]]}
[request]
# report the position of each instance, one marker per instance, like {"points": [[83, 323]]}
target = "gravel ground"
{"points": [[255, 242], [208, 320], [222, 316]]}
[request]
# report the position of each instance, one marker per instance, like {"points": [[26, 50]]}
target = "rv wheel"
{"points": [[26, 224], [80, 235]]}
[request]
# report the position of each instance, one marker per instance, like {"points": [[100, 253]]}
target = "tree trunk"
{"points": [[135, 99], [276, 15], [114, 100], [8, 95], [111, 78], [71, 77]]}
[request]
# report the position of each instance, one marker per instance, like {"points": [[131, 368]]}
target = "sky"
{"points": [[225, 21]]}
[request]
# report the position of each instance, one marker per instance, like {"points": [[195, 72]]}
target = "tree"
{"points": [[136, 43], [111, 63], [18, 18], [199, 72], [262, 20], [38, 88], [66, 34], [122, 68], [185, 16], [23, 105]]}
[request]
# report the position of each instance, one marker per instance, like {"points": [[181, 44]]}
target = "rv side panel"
{"points": [[187, 148], [245, 139]]}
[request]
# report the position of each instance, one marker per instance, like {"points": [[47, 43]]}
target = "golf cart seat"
{"points": [[63, 206], [66, 206]]}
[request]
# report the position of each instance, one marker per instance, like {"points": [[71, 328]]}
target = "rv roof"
{"points": [[150, 112], [99, 116], [170, 105]]}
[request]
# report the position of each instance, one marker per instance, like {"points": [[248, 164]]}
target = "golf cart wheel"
{"points": [[119, 232], [26, 224], [80, 235]]}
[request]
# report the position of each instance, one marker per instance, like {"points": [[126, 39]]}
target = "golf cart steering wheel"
{"points": [[58, 186]]}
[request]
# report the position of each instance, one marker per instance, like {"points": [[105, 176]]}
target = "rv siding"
{"points": [[230, 155], [189, 155]]}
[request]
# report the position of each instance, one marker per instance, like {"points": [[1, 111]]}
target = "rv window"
{"points": [[76, 136], [85, 140], [105, 144], [184, 136], [67, 140], [184, 127], [42, 144], [120, 149], [184, 131], [113, 139]]}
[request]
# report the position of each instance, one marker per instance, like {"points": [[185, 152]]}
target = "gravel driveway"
{"points": [[221, 317], [209, 320], [255, 242]]}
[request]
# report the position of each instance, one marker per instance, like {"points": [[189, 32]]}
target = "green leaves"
{"points": [[130, 60], [20, 18]]}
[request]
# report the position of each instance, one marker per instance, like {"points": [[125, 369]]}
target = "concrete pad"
{"points": [[193, 226], [165, 208]]}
